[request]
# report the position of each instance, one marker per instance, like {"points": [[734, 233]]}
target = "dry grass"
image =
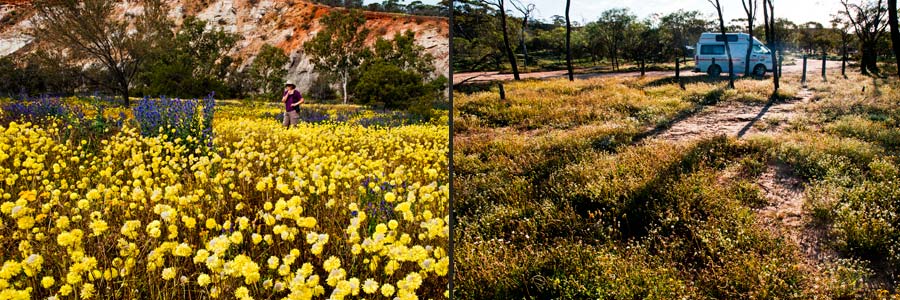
{"points": [[557, 197]]}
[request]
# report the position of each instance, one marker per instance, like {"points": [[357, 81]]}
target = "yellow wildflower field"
{"points": [[320, 211]]}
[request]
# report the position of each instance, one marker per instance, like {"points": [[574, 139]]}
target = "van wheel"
{"points": [[759, 71], [714, 71]]}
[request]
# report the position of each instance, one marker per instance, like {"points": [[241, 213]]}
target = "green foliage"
{"points": [[395, 6], [477, 37], [339, 48], [321, 90], [35, 74], [403, 52], [193, 65], [866, 222], [267, 72], [389, 85], [397, 75], [614, 39]]}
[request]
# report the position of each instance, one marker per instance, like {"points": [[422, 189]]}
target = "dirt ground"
{"points": [[735, 119], [785, 191]]}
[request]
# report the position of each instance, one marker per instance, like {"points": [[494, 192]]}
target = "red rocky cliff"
{"points": [[285, 24]]}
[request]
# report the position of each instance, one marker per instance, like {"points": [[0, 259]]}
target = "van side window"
{"points": [[712, 49], [760, 49], [732, 38]]}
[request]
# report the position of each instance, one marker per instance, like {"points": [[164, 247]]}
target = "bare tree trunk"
{"points": [[677, 68], [643, 65], [526, 9], [568, 42], [769, 26], [869, 58], [678, 48], [616, 54], [509, 53], [122, 84], [844, 54], [727, 47], [524, 47], [344, 79], [895, 32], [126, 96], [750, 9]]}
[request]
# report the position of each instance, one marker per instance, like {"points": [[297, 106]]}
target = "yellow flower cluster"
{"points": [[318, 211]]}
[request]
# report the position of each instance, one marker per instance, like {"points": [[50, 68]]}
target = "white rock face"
{"points": [[8, 45], [15, 37], [221, 14]]}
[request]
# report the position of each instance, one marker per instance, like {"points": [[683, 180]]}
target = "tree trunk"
{"points": [[869, 65], [769, 19], [344, 79], [509, 52], [844, 57], [616, 54], [679, 49], [677, 68], [727, 47], [126, 98], [568, 42], [895, 32], [643, 65], [524, 46], [750, 14], [124, 89], [749, 52]]}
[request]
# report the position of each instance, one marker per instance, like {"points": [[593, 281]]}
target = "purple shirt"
{"points": [[291, 99]]}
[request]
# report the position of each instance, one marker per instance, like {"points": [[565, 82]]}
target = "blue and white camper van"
{"points": [[710, 56]]}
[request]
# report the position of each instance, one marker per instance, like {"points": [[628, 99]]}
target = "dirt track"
{"points": [[734, 119], [813, 67], [780, 185]]}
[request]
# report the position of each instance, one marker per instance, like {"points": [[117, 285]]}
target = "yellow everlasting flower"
{"points": [[387, 290]]}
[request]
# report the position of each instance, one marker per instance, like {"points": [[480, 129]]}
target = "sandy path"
{"points": [[735, 119], [785, 191], [786, 217]]}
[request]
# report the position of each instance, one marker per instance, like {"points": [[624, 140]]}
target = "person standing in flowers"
{"points": [[292, 100]]}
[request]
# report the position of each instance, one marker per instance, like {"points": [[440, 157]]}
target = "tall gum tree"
{"points": [[500, 6], [867, 18], [339, 48], [89, 31]]}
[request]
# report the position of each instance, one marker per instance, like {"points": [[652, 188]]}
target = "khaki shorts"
{"points": [[291, 118]]}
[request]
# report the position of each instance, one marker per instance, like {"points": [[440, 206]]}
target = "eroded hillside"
{"points": [[285, 24]]}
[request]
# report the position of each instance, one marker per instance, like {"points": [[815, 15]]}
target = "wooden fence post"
{"points": [[502, 92], [823, 66], [803, 79]]}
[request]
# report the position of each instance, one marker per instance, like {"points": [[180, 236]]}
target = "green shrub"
{"points": [[396, 88], [820, 156], [320, 89], [866, 222]]}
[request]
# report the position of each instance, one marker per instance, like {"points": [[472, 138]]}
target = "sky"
{"points": [[582, 11]]}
